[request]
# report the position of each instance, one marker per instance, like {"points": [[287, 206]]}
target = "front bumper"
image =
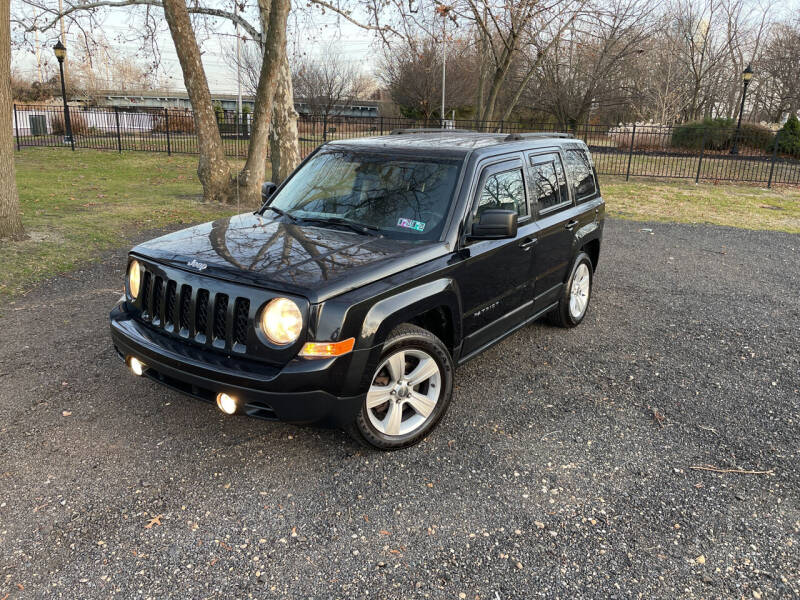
{"points": [[321, 392]]}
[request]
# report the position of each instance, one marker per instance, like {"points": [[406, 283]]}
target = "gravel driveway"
{"points": [[563, 469]]}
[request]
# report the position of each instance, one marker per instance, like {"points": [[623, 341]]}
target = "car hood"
{"points": [[316, 262]]}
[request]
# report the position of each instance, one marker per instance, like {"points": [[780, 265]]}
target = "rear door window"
{"points": [[548, 183], [581, 174]]}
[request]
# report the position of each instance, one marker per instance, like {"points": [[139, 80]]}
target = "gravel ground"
{"points": [[562, 469]]}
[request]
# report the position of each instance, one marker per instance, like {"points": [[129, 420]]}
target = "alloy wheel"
{"points": [[404, 392], [579, 293]]}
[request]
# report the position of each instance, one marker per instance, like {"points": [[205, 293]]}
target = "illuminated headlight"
{"points": [[134, 279], [281, 321]]}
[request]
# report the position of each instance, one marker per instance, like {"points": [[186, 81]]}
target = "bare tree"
{"points": [[781, 88], [582, 69], [411, 71], [327, 84], [10, 216], [213, 169]]}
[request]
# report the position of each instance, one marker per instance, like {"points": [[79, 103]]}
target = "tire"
{"points": [[415, 408], [581, 277]]}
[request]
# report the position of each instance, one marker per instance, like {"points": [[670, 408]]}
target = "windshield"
{"points": [[399, 197]]}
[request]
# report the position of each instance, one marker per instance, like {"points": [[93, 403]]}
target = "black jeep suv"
{"points": [[374, 269]]}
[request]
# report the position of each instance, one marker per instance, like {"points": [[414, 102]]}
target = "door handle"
{"points": [[528, 243], [571, 224]]}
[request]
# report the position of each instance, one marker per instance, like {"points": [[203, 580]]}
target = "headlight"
{"points": [[281, 321], [134, 278]]}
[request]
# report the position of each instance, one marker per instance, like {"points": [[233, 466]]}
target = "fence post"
{"points": [[166, 126], [381, 124], [630, 154], [16, 127], [119, 137], [774, 156], [702, 151]]}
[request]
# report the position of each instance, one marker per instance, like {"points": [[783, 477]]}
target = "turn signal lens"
{"points": [[281, 321], [327, 349], [134, 279]]}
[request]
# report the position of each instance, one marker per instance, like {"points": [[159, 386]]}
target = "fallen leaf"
{"points": [[700, 560], [154, 521], [66, 413], [384, 532]]}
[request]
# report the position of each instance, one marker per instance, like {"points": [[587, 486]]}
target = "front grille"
{"points": [[186, 305]]}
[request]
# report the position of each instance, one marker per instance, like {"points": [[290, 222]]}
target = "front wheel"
{"points": [[575, 296], [409, 391]]}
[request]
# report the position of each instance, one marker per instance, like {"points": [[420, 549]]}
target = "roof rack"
{"points": [[516, 137], [426, 130]]}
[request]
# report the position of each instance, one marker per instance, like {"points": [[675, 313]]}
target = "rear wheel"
{"points": [[409, 391], [576, 294]]}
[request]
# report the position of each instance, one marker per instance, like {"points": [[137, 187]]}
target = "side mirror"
{"points": [[495, 224], [267, 189]]}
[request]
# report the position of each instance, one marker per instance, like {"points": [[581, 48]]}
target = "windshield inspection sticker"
{"points": [[411, 224]]}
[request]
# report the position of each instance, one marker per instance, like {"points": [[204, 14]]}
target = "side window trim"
{"points": [[543, 157]]}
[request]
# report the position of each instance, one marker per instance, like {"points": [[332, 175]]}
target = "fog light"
{"points": [[226, 403], [136, 365]]}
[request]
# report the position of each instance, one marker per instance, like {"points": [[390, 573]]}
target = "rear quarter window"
{"points": [[581, 174]]}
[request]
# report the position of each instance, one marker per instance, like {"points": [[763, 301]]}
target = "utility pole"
{"points": [[38, 57], [444, 61], [238, 67]]}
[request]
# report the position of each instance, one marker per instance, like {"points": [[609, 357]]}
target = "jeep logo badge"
{"points": [[196, 264]]}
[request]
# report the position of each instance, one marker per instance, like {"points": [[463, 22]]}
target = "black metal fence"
{"points": [[751, 154]]}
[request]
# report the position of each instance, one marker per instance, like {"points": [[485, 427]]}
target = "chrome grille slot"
{"points": [[157, 311], [147, 308], [220, 316], [241, 315], [185, 308], [169, 307], [201, 315]]}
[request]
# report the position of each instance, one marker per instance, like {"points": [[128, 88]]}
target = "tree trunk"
{"points": [[252, 174], [212, 169], [283, 144], [10, 217]]}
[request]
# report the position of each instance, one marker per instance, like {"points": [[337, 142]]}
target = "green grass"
{"points": [[683, 201], [77, 204]]}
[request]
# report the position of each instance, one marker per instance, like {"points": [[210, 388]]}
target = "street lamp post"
{"points": [[61, 53], [747, 75]]}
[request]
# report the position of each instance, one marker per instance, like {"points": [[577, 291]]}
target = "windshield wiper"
{"points": [[283, 213], [357, 227]]}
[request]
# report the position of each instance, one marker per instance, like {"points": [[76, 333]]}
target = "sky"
{"points": [[305, 38]]}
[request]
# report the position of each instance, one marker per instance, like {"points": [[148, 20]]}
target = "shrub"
{"points": [[756, 136], [719, 134], [716, 132], [788, 138], [76, 121], [175, 122]]}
